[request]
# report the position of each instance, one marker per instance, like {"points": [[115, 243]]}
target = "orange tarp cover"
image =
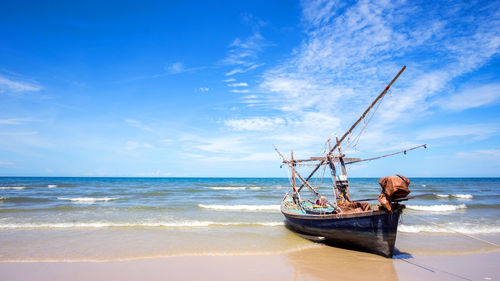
{"points": [[393, 187]]}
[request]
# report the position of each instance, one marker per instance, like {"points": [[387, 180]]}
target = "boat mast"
{"points": [[343, 183], [334, 174], [354, 126]]}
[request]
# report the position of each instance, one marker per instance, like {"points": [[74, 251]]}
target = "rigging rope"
{"points": [[451, 229], [353, 144]]}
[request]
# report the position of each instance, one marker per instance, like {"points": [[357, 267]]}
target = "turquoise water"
{"points": [[54, 212]]}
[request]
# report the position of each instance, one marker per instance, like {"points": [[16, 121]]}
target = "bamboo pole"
{"points": [[356, 123]]}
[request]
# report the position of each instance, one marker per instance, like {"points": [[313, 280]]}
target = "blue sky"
{"points": [[205, 88]]}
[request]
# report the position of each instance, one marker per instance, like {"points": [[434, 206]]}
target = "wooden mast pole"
{"points": [[355, 124], [344, 182], [334, 173]]}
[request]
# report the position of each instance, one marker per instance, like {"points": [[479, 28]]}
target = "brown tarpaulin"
{"points": [[393, 187]]}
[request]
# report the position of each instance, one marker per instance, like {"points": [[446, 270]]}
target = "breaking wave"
{"points": [[241, 207], [52, 185], [88, 200], [12, 187], [478, 229], [436, 208], [244, 187], [228, 187], [460, 196]]}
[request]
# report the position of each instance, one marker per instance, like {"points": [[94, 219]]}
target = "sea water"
{"points": [[125, 218]]}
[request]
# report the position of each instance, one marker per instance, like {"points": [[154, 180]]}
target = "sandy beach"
{"points": [[322, 263]]}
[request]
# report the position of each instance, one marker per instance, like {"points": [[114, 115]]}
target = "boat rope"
{"points": [[451, 229], [353, 143]]}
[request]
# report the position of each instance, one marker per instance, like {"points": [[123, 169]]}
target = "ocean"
{"points": [[87, 219]]}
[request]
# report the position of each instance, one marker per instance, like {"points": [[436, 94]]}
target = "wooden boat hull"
{"points": [[373, 231]]}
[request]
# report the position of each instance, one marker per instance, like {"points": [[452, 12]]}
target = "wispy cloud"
{"points": [[138, 124], [6, 163], [244, 53], [484, 154], [177, 68], [472, 131], [204, 89], [16, 121], [226, 144], [254, 124], [240, 91], [473, 97], [241, 84], [134, 145], [353, 50], [9, 85]]}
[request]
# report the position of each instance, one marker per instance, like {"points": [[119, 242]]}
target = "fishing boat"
{"points": [[342, 221]]}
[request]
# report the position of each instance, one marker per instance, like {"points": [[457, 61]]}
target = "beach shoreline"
{"points": [[318, 263]]}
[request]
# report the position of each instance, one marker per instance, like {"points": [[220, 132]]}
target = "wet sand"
{"points": [[322, 263]]}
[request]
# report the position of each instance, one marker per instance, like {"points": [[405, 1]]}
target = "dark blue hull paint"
{"points": [[373, 232]]}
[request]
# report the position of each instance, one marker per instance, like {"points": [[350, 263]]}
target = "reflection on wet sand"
{"points": [[329, 263]]}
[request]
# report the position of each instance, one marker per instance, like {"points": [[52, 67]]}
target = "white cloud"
{"points": [[485, 154], [134, 145], [6, 163], [234, 71], [244, 51], [16, 86], [228, 144], [243, 70], [352, 51], [256, 156], [473, 97], [474, 132], [254, 124], [240, 91], [176, 68], [229, 80], [204, 89], [138, 124], [15, 121], [241, 84]]}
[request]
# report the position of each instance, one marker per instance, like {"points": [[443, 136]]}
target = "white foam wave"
{"points": [[241, 207], [467, 229], [461, 196], [52, 185], [182, 224], [234, 187], [88, 200], [436, 208], [227, 188], [12, 187]]}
